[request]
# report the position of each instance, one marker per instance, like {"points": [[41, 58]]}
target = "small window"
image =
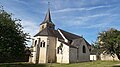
{"points": [[61, 51], [40, 44], [61, 45], [58, 50], [43, 44], [35, 42], [42, 26], [89, 49], [84, 49]]}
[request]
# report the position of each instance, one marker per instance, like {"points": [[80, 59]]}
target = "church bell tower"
{"points": [[47, 23]]}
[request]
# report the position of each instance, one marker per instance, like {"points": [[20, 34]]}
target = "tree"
{"points": [[12, 38], [109, 42]]}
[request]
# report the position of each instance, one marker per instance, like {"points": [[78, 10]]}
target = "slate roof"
{"points": [[71, 36], [55, 33], [68, 44], [58, 35], [68, 35], [48, 18], [87, 42], [49, 32]]}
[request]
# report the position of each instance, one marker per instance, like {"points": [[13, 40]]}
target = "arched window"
{"points": [[84, 49], [43, 27], [40, 44], [90, 49], [43, 44], [58, 50], [35, 42]]}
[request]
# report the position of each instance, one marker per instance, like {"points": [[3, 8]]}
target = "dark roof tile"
{"points": [[47, 18], [68, 44], [49, 32], [68, 35]]}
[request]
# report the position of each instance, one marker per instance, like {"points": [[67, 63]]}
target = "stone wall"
{"points": [[82, 56], [108, 57], [73, 55], [51, 49]]}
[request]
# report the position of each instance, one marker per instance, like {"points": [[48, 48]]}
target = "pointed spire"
{"points": [[48, 16]]}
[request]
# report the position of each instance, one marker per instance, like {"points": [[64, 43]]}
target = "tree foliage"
{"points": [[109, 41], [12, 38]]}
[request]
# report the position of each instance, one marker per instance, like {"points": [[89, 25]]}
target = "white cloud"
{"points": [[91, 8], [100, 25], [92, 16], [78, 9], [21, 1], [83, 21]]}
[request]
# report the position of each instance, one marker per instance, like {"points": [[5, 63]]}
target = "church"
{"points": [[57, 46]]}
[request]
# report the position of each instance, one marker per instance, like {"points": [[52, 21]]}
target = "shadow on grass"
{"points": [[23, 65]]}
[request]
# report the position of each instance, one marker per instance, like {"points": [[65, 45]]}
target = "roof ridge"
{"points": [[69, 32]]}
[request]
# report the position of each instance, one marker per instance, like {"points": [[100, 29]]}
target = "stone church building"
{"points": [[51, 45]]}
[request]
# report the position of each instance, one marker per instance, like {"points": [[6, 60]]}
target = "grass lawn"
{"points": [[84, 64]]}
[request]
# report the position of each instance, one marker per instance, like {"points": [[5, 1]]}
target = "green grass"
{"points": [[90, 64], [84, 64]]}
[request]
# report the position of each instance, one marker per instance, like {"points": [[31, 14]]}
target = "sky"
{"points": [[82, 17]]}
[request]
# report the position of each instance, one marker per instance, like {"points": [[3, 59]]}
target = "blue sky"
{"points": [[82, 17]]}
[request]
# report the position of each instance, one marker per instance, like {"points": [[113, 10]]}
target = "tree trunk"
{"points": [[118, 56]]}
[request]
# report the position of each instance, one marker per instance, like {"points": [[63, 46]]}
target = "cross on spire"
{"points": [[48, 16]]}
